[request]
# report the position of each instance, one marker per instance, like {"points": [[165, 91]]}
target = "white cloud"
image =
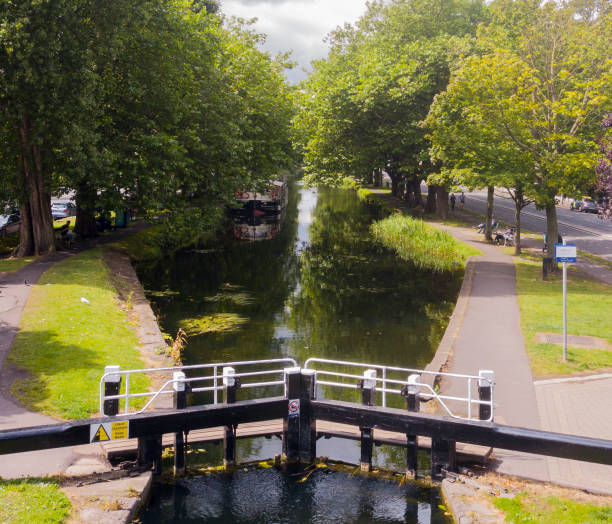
{"points": [[296, 25]]}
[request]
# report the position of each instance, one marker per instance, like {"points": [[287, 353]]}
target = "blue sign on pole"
{"points": [[565, 252]]}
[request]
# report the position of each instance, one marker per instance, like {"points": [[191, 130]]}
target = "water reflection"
{"points": [[320, 288], [271, 496]]}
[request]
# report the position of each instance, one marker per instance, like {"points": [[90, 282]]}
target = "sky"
{"points": [[296, 25]]}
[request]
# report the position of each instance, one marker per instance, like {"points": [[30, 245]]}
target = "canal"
{"points": [[319, 288]]}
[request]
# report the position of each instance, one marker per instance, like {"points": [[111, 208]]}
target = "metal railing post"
{"points": [[230, 384], [112, 386], [485, 393], [368, 398], [215, 385], [413, 404], [180, 402]]}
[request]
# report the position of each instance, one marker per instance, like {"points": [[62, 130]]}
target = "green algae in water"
{"points": [[239, 299], [215, 323]]}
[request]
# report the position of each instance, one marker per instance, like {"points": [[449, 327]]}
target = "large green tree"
{"points": [[46, 99], [535, 96], [362, 106]]}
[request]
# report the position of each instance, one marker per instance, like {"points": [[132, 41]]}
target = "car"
{"points": [[586, 205], [8, 220], [63, 209]]}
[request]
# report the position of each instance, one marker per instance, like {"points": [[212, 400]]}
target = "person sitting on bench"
{"points": [[481, 227]]}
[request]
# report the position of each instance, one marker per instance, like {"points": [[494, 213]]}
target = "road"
{"points": [[586, 230]]}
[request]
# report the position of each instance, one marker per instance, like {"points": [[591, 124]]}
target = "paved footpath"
{"points": [[14, 292], [487, 335]]}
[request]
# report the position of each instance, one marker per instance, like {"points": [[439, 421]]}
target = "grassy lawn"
{"points": [[64, 343], [9, 265], [32, 500], [529, 508], [541, 303], [142, 245]]}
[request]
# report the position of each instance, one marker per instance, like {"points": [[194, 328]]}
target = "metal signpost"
{"points": [[565, 253]]}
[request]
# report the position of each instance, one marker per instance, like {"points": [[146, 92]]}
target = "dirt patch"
{"points": [[574, 340], [470, 495]]}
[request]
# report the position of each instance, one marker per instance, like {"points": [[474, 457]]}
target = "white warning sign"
{"points": [[102, 432]]}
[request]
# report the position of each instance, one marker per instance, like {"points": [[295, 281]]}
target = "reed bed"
{"points": [[427, 247]]}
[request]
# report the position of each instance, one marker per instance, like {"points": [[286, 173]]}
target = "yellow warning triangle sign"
{"points": [[101, 435]]}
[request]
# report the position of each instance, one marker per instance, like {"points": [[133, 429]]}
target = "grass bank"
{"points": [[426, 246], [541, 303], [32, 500], [72, 326], [143, 245], [531, 508]]}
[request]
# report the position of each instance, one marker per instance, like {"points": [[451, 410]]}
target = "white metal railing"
{"points": [[424, 390], [114, 374]]}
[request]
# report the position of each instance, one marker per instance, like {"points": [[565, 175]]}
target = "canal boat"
{"points": [[270, 201]]}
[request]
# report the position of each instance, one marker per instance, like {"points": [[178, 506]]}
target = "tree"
{"points": [[45, 99], [362, 106], [604, 168], [536, 101]]}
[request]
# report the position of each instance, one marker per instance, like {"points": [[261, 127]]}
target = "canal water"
{"points": [[319, 288]]}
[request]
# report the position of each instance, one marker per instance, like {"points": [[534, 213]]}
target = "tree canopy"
{"points": [[142, 104]]}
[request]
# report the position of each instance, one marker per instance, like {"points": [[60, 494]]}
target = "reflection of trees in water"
{"points": [[359, 301], [344, 297], [217, 280]]}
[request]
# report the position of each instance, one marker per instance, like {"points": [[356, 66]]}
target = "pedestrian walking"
{"points": [[462, 200], [452, 201]]}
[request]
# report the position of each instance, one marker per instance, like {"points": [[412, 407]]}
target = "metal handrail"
{"points": [[429, 394], [215, 377]]}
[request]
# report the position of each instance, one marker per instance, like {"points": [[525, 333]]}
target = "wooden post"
{"points": [[229, 437], [291, 421], [443, 457], [150, 453], [180, 402], [485, 392], [112, 386], [368, 398], [308, 425], [413, 404]]}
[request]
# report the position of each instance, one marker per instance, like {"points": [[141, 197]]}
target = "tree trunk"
{"points": [[489, 220], [394, 184], [552, 230], [378, 177], [518, 205], [36, 223], [85, 226], [418, 197], [430, 206], [442, 202]]}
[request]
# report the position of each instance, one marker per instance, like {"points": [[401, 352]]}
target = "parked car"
{"points": [[63, 209], [7, 220], [586, 205]]}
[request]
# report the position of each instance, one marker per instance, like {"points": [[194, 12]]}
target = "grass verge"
{"points": [[541, 303], [535, 509], [422, 244], [64, 341], [9, 265], [143, 245], [32, 500]]}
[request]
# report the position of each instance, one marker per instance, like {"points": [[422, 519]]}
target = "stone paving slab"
{"points": [[579, 408]]}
